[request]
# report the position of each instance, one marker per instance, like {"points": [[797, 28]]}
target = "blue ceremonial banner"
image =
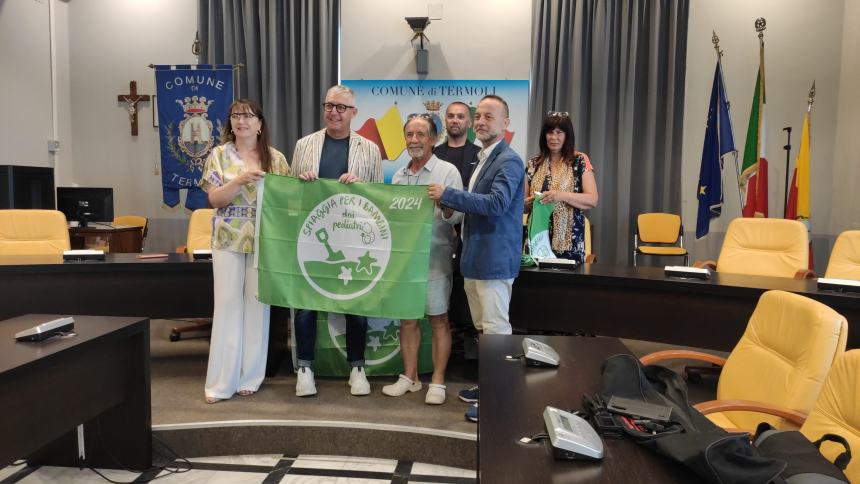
{"points": [[192, 112], [719, 140]]}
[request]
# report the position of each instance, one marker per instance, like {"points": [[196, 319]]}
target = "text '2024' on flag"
{"points": [[361, 248], [719, 140]]}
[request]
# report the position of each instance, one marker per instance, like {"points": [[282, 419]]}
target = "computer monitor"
{"points": [[86, 204]]}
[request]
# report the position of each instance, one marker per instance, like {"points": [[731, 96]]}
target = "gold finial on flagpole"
{"points": [[716, 41], [196, 46], [811, 94], [760, 26]]}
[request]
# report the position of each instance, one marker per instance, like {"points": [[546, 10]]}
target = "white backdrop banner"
{"points": [[383, 107]]}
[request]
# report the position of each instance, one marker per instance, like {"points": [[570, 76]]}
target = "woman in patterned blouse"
{"points": [[565, 176], [240, 324]]}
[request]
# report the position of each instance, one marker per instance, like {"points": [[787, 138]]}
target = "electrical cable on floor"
{"points": [[176, 469]]}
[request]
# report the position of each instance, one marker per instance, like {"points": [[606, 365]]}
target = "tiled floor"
{"points": [[266, 469]]}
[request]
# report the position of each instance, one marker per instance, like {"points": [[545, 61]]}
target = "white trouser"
{"points": [[488, 302], [240, 327]]}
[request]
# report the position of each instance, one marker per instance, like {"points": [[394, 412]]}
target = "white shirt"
{"points": [[482, 158], [443, 239]]}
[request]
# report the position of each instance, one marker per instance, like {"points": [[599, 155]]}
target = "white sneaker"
{"points": [[358, 384], [435, 394], [305, 385], [401, 386]]}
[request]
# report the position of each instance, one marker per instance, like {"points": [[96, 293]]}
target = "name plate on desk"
{"points": [[553, 263], [83, 254], [687, 271], [847, 285], [199, 254]]}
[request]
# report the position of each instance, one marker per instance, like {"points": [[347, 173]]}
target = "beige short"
{"points": [[438, 295]]}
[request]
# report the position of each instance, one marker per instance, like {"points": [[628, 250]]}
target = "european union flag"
{"points": [[719, 140]]}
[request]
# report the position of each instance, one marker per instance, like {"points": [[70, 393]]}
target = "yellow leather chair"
{"points": [[33, 232], [590, 256], [133, 221], [837, 411], [199, 231], [780, 362], [659, 234], [844, 260], [199, 237], [764, 247]]}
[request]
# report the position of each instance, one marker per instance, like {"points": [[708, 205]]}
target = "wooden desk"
{"points": [[625, 302], [642, 303], [176, 286], [99, 378], [115, 239], [173, 287], [513, 398]]}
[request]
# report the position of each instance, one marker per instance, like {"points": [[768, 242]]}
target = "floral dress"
{"points": [[233, 226]]}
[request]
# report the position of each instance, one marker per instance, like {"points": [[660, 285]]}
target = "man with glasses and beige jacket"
{"points": [[335, 152]]}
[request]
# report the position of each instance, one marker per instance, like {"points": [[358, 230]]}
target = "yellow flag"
{"points": [[798, 194], [391, 131], [803, 173]]}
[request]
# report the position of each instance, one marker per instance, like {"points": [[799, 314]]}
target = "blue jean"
{"points": [[306, 337]]}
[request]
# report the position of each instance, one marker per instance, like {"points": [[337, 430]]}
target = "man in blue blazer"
{"points": [[492, 227], [493, 223]]}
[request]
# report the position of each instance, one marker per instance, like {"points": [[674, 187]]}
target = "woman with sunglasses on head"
{"points": [[240, 324], [564, 176]]}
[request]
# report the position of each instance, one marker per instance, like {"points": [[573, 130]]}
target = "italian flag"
{"points": [[754, 168]]}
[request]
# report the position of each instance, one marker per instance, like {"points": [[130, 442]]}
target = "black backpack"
{"points": [[690, 438], [806, 465]]}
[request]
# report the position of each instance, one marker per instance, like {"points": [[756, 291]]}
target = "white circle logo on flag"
{"points": [[344, 246]]}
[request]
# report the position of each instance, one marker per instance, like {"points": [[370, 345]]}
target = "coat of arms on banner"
{"points": [[195, 137], [193, 103]]}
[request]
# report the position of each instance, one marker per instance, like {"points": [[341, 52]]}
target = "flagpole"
{"points": [[811, 98], [716, 41], [760, 26], [787, 149]]}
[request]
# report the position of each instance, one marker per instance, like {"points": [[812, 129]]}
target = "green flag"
{"points": [[361, 248], [382, 354], [539, 243]]}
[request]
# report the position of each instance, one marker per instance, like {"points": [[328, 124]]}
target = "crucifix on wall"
{"points": [[131, 99]]}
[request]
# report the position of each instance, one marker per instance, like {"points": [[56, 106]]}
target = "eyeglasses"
{"points": [[561, 114], [238, 116], [341, 108], [425, 116]]}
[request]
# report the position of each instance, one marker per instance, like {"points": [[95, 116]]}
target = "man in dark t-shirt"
{"points": [[457, 149]]}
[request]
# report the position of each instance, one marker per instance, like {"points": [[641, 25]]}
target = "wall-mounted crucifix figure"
{"points": [[131, 99]]}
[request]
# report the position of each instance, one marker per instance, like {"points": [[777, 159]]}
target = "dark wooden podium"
{"points": [[99, 379], [115, 239]]}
